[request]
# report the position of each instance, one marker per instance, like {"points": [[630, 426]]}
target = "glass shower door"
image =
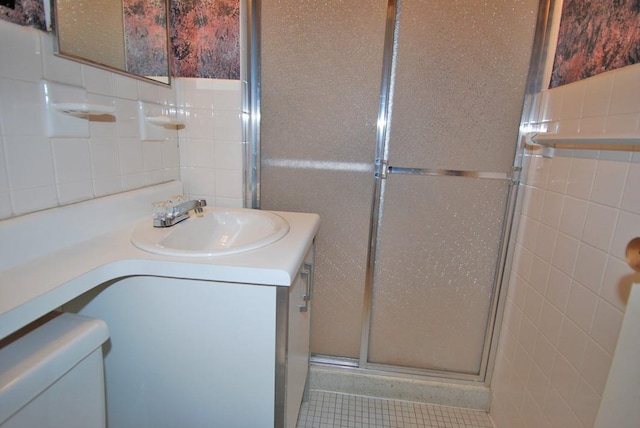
{"points": [[448, 157], [320, 68], [410, 242]]}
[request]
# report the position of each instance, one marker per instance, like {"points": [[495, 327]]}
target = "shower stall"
{"points": [[397, 121]]}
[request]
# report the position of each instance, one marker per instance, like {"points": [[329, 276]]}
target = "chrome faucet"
{"points": [[174, 213]]}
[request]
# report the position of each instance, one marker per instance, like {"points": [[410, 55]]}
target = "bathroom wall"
{"points": [[211, 142], [38, 172], [569, 284]]}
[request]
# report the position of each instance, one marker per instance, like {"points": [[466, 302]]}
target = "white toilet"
{"points": [[53, 377]]}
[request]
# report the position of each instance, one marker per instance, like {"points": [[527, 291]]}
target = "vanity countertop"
{"points": [[50, 257]]}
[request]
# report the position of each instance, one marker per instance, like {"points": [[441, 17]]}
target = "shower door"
{"points": [[457, 89], [412, 181]]}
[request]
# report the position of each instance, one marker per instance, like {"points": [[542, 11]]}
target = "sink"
{"points": [[218, 232]]}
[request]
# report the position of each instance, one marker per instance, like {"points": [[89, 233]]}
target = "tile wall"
{"points": [[211, 142], [569, 284], [39, 172]]}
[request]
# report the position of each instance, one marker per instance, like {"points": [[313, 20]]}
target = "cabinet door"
{"points": [[298, 339]]}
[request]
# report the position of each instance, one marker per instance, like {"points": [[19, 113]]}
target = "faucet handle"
{"points": [[162, 210]]}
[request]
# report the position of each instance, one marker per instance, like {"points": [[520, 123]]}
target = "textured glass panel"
{"points": [[438, 251], [460, 79], [343, 200], [320, 87], [321, 65]]}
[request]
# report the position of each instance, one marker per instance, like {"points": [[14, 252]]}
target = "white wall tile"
{"points": [[229, 183], [130, 154], [606, 325], [107, 185], [201, 153], [72, 159], [170, 153], [565, 253], [609, 182], [550, 322], [59, 69], [105, 160], [31, 199], [133, 181], [228, 155], [595, 366], [581, 178], [581, 306], [559, 288], [585, 403], [588, 283], [533, 305], [202, 181], [564, 377], [5, 205], [622, 124], [551, 105], [152, 156], [21, 108], [627, 228], [559, 174], [590, 267], [625, 97], [600, 226], [22, 45], [29, 162], [227, 125], [574, 214], [592, 125], [126, 118], [539, 275], [544, 355], [102, 125], [552, 209], [97, 81], [572, 101], [598, 96], [617, 281], [74, 191], [4, 178], [572, 343], [545, 242], [113, 159], [125, 87]]}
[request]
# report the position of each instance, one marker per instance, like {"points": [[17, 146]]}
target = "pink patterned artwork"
{"points": [[205, 38], [596, 36], [145, 37], [24, 12]]}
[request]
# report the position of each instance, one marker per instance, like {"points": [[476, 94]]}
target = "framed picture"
{"points": [[595, 36]]}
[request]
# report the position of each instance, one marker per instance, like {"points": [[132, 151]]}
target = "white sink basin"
{"points": [[219, 232]]}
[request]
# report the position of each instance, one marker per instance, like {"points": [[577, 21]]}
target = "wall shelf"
{"points": [[153, 119], [165, 120], [84, 109]]}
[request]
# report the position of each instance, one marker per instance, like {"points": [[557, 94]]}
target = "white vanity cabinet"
{"points": [[194, 353]]}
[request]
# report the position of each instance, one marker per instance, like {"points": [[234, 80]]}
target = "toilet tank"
{"points": [[52, 376]]}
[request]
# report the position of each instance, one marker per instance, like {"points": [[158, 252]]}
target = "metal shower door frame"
{"points": [[251, 77]]}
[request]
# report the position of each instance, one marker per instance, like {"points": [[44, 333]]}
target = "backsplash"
{"points": [[570, 281], [38, 172], [211, 165]]}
